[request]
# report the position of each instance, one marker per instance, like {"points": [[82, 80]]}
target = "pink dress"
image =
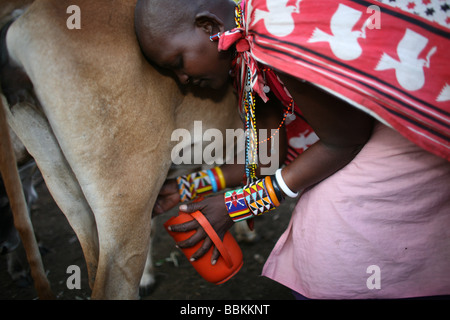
{"points": [[378, 228]]}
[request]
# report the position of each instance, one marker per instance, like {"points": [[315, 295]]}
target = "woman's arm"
{"points": [[343, 130]]}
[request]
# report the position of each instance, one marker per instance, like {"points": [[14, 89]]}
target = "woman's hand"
{"points": [[168, 197], [214, 209]]}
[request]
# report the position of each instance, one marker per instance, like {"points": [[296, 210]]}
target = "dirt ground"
{"points": [[175, 280]]}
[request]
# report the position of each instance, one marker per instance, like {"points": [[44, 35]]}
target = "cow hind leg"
{"points": [[12, 83], [22, 220], [35, 132], [148, 280]]}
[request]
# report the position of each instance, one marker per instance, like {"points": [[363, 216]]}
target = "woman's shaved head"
{"points": [[174, 34], [163, 17]]}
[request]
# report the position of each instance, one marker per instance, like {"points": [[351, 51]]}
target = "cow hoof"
{"points": [[24, 281], [44, 250], [248, 237], [147, 285], [244, 234]]}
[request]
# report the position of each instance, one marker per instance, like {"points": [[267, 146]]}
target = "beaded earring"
{"points": [[215, 37]]}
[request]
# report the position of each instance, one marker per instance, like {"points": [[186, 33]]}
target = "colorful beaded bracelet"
{"points": [[236, 206], [199, 183], [257, 197], [254, 199]]}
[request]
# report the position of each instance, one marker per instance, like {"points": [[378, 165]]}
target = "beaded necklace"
{"points": [[251, 152], [248, 103], [249, 114]]}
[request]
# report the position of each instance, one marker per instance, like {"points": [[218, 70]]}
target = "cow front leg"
{"points": [[122, 204]]}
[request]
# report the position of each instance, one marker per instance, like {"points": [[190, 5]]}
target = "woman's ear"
{"points": [[209, 22]]}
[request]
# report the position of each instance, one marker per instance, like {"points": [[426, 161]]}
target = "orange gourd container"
{"points": [[230, 260]]}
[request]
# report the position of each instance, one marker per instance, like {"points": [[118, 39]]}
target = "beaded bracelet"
{"points": [[236, 206], [257, 197], [199, 183], [254, 199]]}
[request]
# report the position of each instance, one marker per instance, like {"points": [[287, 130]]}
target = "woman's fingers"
{"points": [[215, 256], [192, 207], [187, 226], [206, 245], [165, 203]]}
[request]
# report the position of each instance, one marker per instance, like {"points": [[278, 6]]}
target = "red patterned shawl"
{"points": [[387, 62]]}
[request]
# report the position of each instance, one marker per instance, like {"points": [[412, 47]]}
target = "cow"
{"points": [[98, 124]]}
